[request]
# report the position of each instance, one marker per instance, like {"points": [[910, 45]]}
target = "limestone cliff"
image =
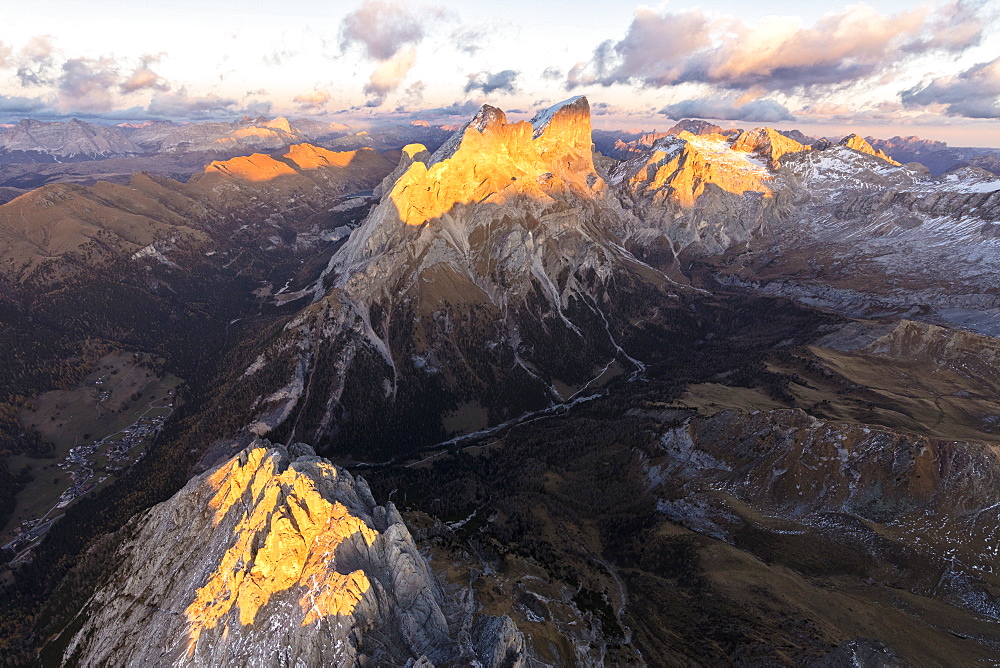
{"points": [[278, 557]]}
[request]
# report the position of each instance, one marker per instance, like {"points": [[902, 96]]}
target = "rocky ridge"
{"points": [[47, 224], [74, 139], [279, 557]]}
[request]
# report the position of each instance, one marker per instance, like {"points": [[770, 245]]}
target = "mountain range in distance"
{"points": [[515, 393], [186, 147]]}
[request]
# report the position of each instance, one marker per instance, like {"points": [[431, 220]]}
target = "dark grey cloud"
{"points": [[466, 108], [492, 82], [388, 32], [664, 49], [725, 108], [974, 93], [382, 28], [22, 105], [552, 74], [258, 108]]}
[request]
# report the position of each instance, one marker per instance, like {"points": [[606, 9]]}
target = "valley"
{"points": [[98, 429]]}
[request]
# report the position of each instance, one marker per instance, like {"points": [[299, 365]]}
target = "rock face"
{"points": [[811, 216], [279, 558], [893, 499]]}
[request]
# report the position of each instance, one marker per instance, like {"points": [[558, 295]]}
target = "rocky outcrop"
{"points": [[278, 557]]}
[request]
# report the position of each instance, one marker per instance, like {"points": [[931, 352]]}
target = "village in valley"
{"points": [[99, 429]]}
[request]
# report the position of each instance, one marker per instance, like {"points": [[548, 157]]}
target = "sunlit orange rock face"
{"points": [[277, 557], [256, 167], [285, 535], [261, 167], [769, 144], [859, 143], [491, 160], [681, 169]]}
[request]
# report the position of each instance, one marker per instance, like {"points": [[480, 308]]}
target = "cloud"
{"points": [[974, 93], [21, 105], [144, 78], [313, 100], [552, 73], [466, 108], [728, 109], [775, 53], [388, 32], [470, 40], [492, 82], [258, 108], [86, 84], [388, 75], [179, 104], [382, 28], [5, 52], [414, 94], [36, 61]]}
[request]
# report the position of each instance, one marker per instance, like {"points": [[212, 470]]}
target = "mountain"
{"points": [[937, 156], [258, 133], [689, 407], [42, 227], [624, 149], [809, 217], [504, 234], [36, 141], [277, 556], [859, 144]]}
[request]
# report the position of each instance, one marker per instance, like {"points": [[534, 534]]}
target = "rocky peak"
{"points": [[562, 134], [695, 127], [768, 144], [277, 557], [70, 139], [684, 167], [490, 158], [859, 143]]}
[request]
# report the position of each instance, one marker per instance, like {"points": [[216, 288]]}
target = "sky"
{"points": [[879, 68]]}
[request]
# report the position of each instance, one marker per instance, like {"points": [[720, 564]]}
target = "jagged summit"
{"points": [[490, 157], [769, 144], [859, 143], [277, 557]]}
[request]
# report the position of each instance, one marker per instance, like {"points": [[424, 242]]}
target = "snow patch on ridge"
{"points": [[544, 117]]}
